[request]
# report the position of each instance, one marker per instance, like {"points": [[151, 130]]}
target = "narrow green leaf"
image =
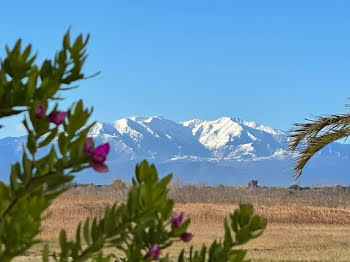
{"points": [[228, 242], [45, 254], [49, 138], [86, 231]]}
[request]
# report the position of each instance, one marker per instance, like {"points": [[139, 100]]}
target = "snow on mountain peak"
{"points": [[230, 137], [260, 127], [225, 137], [128, 127], [95, 130], [257, 126], [192, 123], [217, 133]]}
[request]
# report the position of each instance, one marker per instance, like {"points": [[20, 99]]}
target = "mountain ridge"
{"points": [[226, 150]]}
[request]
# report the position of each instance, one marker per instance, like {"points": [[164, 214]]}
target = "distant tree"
{"points": [[253, 183], [295, 187], [312, 136]]}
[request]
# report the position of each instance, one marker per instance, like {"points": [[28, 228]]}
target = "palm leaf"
{"points": [[316, 144], [316, 134], [307, 131]]}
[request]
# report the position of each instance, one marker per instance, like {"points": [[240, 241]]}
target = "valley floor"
{"points": [[295, 232]]}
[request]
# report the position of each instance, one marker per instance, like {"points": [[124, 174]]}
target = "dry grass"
{"points": [[304, 225], [335, 196], [68, 210], [296, 232]]}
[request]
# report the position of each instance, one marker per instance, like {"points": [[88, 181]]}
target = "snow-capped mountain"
{"points": [[161, 139], [152, 138], [232, 138], [226, 150]]}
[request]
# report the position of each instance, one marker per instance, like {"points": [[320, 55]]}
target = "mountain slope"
{"points": [[232, 138], [226, 150]]}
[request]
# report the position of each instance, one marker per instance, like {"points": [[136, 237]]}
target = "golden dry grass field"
{"points": [[296, 232]]}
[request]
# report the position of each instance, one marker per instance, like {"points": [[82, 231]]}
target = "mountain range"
{"points": [[227, 151]]}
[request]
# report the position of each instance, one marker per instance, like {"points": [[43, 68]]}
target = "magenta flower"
{"points": [[89, 145], [177, 219], [98, 157], [99, 167], [57, 117], [100, 153], [186, 237], [40, 111], [155, 251]]}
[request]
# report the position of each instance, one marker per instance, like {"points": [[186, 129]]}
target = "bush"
{"points": [[141, 229], [295, 187]]}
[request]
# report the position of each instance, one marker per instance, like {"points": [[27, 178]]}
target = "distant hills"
{"points": [[223, 151]]}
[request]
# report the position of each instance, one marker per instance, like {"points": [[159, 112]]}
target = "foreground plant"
{"points": [[141, 229]]}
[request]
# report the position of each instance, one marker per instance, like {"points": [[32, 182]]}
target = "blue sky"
{"points": [[273, 62]]}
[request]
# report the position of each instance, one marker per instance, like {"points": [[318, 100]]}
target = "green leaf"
{"points": [[31, 142], [49, 138], [27, 167], [78, 235], [14, 175], [257, 223], [45, 255], [63, 238], [228, 242], [243, 235], [165, 181], [66, 40], [86, 231], [46, 69], [62, 143], [146, 173]]}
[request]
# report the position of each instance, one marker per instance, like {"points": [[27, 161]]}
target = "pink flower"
{"points": [[40, 111], [99, 167], [186, 237], [177, 219], [89, 145], [100, 153], [57, 117], [155, 251], [98, 157]]}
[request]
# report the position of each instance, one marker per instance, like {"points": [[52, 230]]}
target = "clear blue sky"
{"points": [[273, 62]]}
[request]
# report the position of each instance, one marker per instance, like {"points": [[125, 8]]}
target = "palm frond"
{"points": [[320, 124], [314, 144]]}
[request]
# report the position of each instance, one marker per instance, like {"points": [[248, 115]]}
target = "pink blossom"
{"points": [[186, 237], [155, 251], [100, 153], [177, 219], [89, 145], [40, 111], [57, 117], [99, 167]]}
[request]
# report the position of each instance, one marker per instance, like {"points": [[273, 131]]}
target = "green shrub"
{"points": [[141, 229]]}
